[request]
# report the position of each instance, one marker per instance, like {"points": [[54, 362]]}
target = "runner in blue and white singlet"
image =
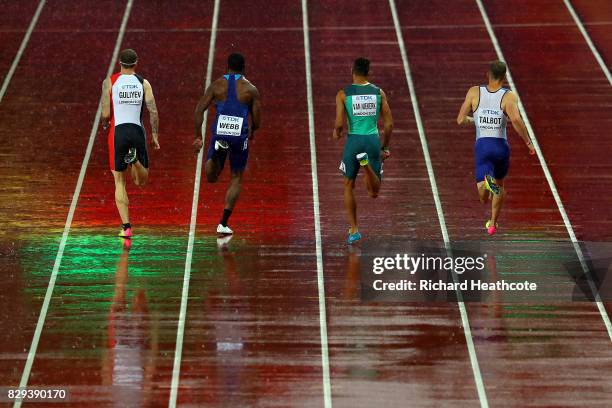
{"points": [[491, 149], [492, 105], [237, 118]]}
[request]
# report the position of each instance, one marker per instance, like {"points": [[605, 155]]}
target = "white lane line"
{"points": [[75, 198], [551, 183], [587, 38], [22, 47], [327, 399], [180, 332], [480, 388]]}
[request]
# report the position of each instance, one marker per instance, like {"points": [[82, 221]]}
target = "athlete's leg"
{"points": [[238, 156], [119, 144], [140, 174], [349, 167], [500, 171], [484, 167], [233, 191], [121, 197], [372, 181], [215, 159], [140, 168], [350, 203], [497, 202], [373, 167], [212, 170], [231, 196], [484, 195]]}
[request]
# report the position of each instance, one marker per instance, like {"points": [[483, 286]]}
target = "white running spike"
{"points": [[221, 230]]}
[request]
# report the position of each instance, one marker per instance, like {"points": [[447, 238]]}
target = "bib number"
{"points": [[364, 105], [130, 94], [489, 119], [229, 125]]}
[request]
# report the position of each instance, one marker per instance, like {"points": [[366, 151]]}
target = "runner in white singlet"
{"points": [[123, 95], [492, 105]]}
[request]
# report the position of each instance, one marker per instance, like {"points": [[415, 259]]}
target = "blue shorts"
{"points": [[238, 153], [492, 157]]}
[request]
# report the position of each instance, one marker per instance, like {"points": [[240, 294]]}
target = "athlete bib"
{"points": [[489, 117], [229, 125], [364, 105], [127, 95]]}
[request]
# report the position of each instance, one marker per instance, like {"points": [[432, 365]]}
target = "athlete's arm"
{"points": [[106, 100], [387, 125], [339, 115], [466, 108], [255, 109], [203, 105], [153, 114], [510, 106]]}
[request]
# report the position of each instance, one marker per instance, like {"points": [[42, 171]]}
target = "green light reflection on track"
{"points": [[86, 279]]}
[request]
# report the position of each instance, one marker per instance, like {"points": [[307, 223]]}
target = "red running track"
{"points": [[595, 15], [566, 103], [380, 354], [134, 347], [45, 116], [518, 346], [252, 328], [14, 22]]}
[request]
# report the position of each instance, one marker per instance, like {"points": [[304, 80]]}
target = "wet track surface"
{"points": [[253, 327]]}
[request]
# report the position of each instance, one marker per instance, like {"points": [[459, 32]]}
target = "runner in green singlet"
{"points": [[362, 103]]}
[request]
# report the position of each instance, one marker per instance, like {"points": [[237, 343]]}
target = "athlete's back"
{"points": [[244, 89], [127, 93], [233, 106], [362, 103], [489, 116]]}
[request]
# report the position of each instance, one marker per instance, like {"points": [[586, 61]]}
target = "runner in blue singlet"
{"points": [[236, 100]]}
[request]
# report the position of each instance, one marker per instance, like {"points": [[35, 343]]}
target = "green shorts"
{"points": [[356, 144]]}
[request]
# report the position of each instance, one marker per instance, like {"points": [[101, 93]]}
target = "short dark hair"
{"points": [[361, 66], [498, 69], [128, 58], [235, 62]]}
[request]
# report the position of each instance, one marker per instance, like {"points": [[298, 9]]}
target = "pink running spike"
{"points": [[491, 228], [126, 233]]}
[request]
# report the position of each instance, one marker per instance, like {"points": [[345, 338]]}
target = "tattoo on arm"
{"points": [[152, 107], [105, 99], [154, 115]]}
